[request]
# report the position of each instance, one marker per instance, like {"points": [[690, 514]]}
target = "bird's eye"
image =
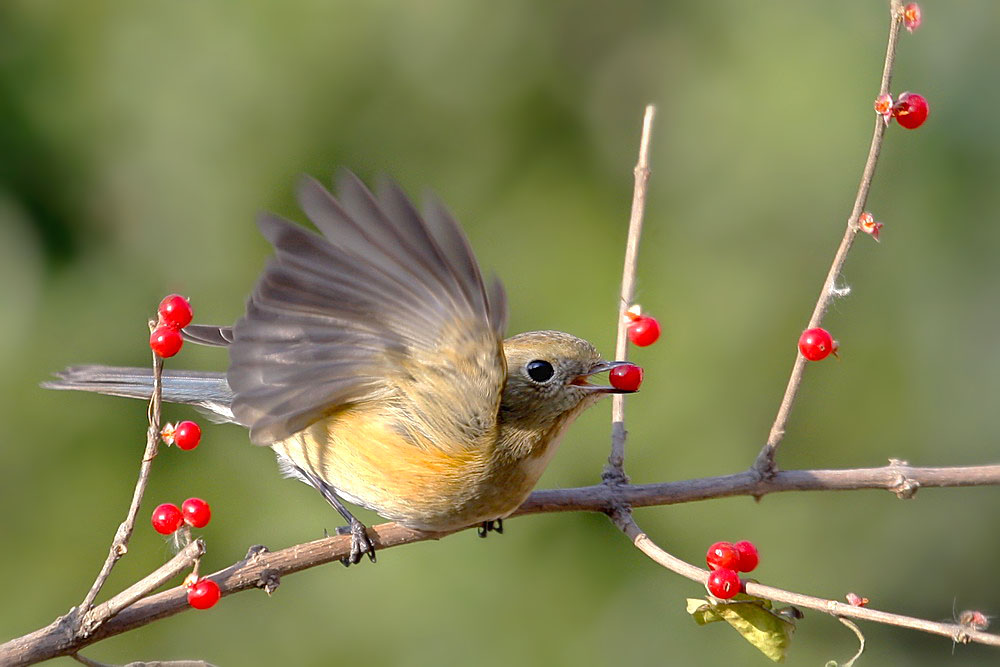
{"points": [[540, 371]]}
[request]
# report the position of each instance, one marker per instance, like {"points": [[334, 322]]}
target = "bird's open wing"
{"points": [[383, 304]]}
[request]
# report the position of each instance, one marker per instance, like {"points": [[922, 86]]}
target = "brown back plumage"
{"points": [[343, 316]]}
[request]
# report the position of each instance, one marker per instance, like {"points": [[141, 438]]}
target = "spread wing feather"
{"points": [[382, 303]]}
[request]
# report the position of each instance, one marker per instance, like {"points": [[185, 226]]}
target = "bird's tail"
{"points": [[206, 390]]}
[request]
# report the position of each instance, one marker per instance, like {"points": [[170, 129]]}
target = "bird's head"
{"points": [[549, 376]]}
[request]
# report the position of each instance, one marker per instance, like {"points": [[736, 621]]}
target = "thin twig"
{"points": [[263, 568], [852, 626], [158, 663], [765, 465], [184, 559], [832, 607], [119, 546], [614, 471]]}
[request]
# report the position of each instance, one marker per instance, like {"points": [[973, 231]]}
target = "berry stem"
{"points": [[120, 543], [833, 607], [614, 471], [764, 465]]}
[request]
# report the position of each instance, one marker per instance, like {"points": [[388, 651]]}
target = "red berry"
{"points": [[911, 16], [175, 311], [166, 518], [197, 513], [644, 330], [724, 583], [187, 435], [723, 555], [910, 110], [203, 594], [748, 556], [626, 377], [816, 344], [165, 341]]}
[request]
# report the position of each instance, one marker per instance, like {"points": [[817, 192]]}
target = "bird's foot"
{"points": [[491, 526], [361, 544]]}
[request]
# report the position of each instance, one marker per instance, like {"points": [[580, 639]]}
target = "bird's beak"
{"points": [[601, 367]]}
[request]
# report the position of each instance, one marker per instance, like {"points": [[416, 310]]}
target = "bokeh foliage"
{"points": [[138, 141]]}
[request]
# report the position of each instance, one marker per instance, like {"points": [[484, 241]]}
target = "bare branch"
{"points": [[614, 471], [953, 631], [764, 464], [261, 569], [184, 559], [897, 478], [119, 546]]}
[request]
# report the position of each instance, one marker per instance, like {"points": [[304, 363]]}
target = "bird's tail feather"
{"points": [[204, 389]]}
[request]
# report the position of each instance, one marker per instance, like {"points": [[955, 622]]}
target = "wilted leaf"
{"points": [[751, 617]]}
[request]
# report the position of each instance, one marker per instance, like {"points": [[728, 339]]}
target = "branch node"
{"points": [[614, 474], [764, 468], [620, 514], [255, 552], [269, 580], [905, 488]]}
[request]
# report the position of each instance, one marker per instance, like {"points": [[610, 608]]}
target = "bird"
{"points": [[371, 359]]}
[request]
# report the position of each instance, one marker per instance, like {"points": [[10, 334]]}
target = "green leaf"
{"points": [[752, 617]]}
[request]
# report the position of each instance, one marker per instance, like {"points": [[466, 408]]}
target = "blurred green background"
{"points": [[139, 140]]}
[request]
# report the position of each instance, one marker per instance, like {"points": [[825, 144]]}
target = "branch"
{"points": [[614, 471], [264, 569], [119, 546], [764, 464], [181, 561], [954, 631]]}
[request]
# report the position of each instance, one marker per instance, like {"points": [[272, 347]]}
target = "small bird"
{"points": [[371, 359]]}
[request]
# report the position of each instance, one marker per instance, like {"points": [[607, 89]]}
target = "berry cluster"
{"points": [[174, 314], [168, 518], [725, 559]]}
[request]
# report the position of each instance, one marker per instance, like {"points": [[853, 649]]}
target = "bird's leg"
{"points": [[360, 542], [494, 525]]}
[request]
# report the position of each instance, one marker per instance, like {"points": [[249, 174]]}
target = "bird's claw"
{"points": [[486, 527], [361, 544]]}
